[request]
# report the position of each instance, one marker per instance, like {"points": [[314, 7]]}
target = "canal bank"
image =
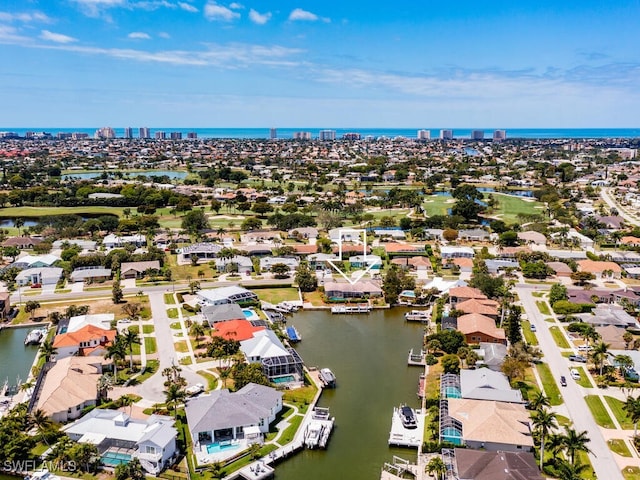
{"points": [[16, 359], [368, 354]]}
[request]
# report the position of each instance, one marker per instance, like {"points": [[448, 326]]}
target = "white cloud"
{"points": [[164, 35], [300, 14], [213, 11], [9, 34], [56, 37], [259, 18], [24, 17], [187, 7], [139, 36], [236, 6], [93, 8]]}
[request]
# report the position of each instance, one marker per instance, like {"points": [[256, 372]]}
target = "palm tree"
{"points": [[574, 442], [174, 395], [571, 471], [105, 383], [42, 422], [599, 354], [544, 421], [538, 401], [436, 467], [632, 409], [129, 339], [116, 351], [47, 350], [197, 330]]}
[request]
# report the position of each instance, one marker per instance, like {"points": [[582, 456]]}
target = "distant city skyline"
{"points": [[205, 63]]}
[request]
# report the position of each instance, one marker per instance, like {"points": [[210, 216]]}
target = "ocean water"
{"points": [[287, 133]]}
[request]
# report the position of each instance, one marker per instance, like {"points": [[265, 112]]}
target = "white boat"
{"points": [[342, 309], [319, 428], [195, 389], [327, 377], [417, 315], [35, 336], [43, 474]]}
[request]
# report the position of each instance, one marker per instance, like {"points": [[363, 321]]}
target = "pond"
{"points": [[173, 175], [8, 222]]}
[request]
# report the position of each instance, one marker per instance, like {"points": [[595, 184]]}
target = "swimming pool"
{"points": [[250, 314], [285, 379], [113, 459], [221, 447]]}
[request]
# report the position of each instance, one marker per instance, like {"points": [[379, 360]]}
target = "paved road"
{"points": [[602, 458], [607, 196]]}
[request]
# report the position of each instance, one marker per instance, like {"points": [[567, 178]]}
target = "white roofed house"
{"points": [[117, 241], [39, 275], [267, 262], [243, 263], [35, 261], [201, 251], [152, 441], [222, 295], [278, 362], [90, 274]]}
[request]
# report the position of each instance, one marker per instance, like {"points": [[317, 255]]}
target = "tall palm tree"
{"points": [[632, 409], [571, 471], [43, 423], [47, 350], [436, 467], [599, 354], [129, 339], [538, 401], [105, 383], [544, 421], [174, 394], [116, 351], [574, 441]]}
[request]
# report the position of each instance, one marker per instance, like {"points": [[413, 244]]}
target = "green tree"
{"points": [[581, 278], [174, 394], [251, 223], [436, 468], [116, 351], [450, 363], [280, 270], [571, 471], [116, 292], [245, 373], [558, 292], [539, 401], [508, 239], [574, 441], [514, 331], [47, 350], [44, 425], [31, 306], [197, 330], [262, 208], [12, 252], [599, 354], [195, 221], [129, 339], [632, 409], [305, 278], [544, 421]]}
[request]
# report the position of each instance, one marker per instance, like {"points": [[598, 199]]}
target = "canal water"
{"points": [[16, 359], [368, 355]]}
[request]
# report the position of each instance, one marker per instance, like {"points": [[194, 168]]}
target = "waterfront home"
{"points": [[345, 290], [226, 312], [90, 274], [485, 384], [488, 308], [138, 269], [39, 275], [500, 465], [279, 364], [490, 425], [478, 328], [492, 355], [69, 386], [452, 251], [239, 330], [222, 295], [601, 270], [459, 294], [202, 251], [22, 243], [100, 320], [88, 341], [118, 241], [152, 441], [362, 261], [232, 420]]}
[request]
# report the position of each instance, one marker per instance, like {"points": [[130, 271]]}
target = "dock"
{"points": [[318, 430], [292, 334], [399, 436], [418, 316], [349, 309], [417, 359], [421, 385]]}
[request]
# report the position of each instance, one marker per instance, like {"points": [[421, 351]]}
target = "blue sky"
{"points": [[347, 63]]}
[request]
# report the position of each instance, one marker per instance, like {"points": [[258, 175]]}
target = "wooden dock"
{"points": [[417, 359]]}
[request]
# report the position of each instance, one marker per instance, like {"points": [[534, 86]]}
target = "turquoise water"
{"points": [[248, 313], [264, 133], [452, 392], [287, 379], [218, 447], [113, 459]]}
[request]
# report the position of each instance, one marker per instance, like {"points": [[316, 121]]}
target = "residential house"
{"points": [[560, 269], [138, 269], [582, 240], [492, 425], [69, 386], [303, 232], [453, 251], [567, 254], [261, 236], [485, 384], [202, 251], [601, 270], [479, 328], [22, 243], [88, 341], [474, 235], [278, 362], [495, 266], [500, 465], [221, 313], [39, 275], [458, 294], [222, 295], [463, 263], [35, 261], [351, 235], [266, 263], [362, 261], [612, 336], [630, 241], [304, 249], [152, 441], [85, 245], [605, 314], [118, 241], [100, 320], [389, 233], [240, 263], [239, 330], [488, 308], [320, 261], [232, 418], [592, 295], [90, 274], [492, 355], [346, 290], [532, 237]]}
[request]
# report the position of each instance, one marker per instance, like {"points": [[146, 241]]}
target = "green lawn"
{"points": [[211, 379], [172, 312], [149, 346], [564, 421], [437, 204], [147, 329], [616, 407], [543, 307], [549, 384], [150, 369], [181, 346], [619, 446], [529, 336], [275, 295], [559, 337], [50, 211], [290, 431], [584, 378], [509, 207], [598, 411], [631, 473], [169, 299]]}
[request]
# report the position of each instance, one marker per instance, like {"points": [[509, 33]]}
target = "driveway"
{"points": [[602, 458]]}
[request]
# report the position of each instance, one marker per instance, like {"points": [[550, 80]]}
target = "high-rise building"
{"points": [[273, 133], [477, 134], [161, 135], [144, 132], [499, 135], [128, 132], [176, 135], [79, 136], [326, 135], [446, 134], [351, 136], [302, 135], [192, 135], [105, 132], [424, 134]]}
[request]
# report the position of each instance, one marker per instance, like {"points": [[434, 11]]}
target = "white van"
{"points": [[575, 374]]}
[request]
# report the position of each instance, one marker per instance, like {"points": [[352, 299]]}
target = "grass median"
{"points": [[559, 338], [549, 384], [598, 411]]}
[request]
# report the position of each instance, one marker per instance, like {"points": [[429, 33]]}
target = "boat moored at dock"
{"points": [[319, 429], [346, 309], [407, 425], [417, 316], [327, 378], [292, 334], [35, 336]]}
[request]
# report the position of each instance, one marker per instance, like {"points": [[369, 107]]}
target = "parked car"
{"points": [[584, 348], [575, 374], [36, 285], [578, 358], [563, 381], [533, 327]]}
